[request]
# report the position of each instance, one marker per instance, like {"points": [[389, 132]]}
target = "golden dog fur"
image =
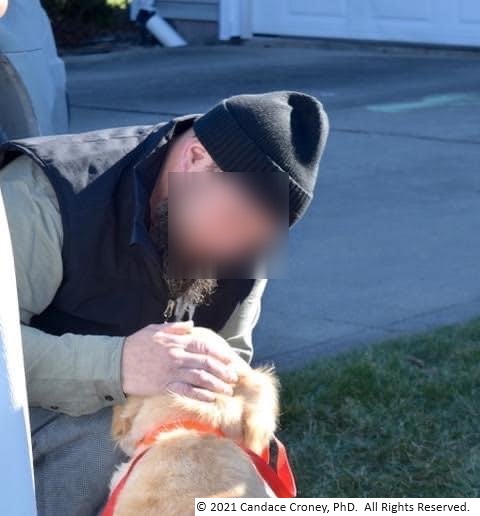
{"points": [[183, 464]]}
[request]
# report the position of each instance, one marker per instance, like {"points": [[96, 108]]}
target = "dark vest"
{"points": [[111, 281]]}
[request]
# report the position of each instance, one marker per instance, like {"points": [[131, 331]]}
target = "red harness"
{"points": [[279, 477]]}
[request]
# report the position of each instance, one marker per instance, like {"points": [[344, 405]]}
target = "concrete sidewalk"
{"points": [[392, 242]]}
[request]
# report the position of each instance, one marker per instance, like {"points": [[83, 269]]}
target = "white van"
{"points": [[32, 76]]}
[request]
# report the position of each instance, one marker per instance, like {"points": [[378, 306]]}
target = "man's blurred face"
{"points": [[215, 220]]}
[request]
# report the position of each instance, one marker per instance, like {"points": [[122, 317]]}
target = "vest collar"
{"points": [[146, 171]]}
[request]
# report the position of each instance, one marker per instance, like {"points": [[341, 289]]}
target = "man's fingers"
{"points": [[200, 378], [215, 347], [209, 364], [191, 391], [211, 344]]}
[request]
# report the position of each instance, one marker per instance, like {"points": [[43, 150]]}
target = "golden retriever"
{"points": [[183, 463]]}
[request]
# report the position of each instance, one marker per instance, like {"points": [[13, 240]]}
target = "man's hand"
{"points": [[169, 357]]}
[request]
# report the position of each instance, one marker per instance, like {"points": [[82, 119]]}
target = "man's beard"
{"points": [[192, 291]]}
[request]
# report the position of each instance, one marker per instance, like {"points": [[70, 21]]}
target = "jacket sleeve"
{"points": [[239, 327], [75, 374]]}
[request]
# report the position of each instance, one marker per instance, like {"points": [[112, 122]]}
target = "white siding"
{"points": [[199, 10]]}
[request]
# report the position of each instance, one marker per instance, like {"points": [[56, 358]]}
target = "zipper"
{"points": [[169, 310]]}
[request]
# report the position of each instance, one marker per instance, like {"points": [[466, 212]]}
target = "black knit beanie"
{"points": [[273, 137]]}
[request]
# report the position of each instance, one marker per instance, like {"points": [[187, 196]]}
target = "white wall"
{"points": [[16, 473]]}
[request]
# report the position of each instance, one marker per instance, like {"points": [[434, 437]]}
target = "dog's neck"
{"points": [[225, 415]]}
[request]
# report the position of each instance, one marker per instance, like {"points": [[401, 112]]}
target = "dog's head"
{"points": [[249, 416]]}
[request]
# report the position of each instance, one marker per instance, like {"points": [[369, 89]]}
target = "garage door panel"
{"points": [[399, 11], [455, 22], [324, 8]]}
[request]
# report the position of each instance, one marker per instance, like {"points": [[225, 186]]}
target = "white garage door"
{"points": [[454, 22]]}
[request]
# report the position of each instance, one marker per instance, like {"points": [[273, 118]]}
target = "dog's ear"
{"points": [[259, 390], [122, 420]]}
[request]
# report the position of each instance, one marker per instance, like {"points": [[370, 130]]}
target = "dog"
{"points": [[182, 448]]}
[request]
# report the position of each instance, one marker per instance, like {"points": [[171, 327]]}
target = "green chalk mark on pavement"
{"points": [[430, 101]]}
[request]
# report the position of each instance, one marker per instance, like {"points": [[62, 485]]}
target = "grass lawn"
{"points": [[401, 419]]}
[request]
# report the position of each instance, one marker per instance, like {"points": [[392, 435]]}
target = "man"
{"points": [[102, 316]]}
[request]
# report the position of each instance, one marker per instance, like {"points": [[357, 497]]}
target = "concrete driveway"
{"points": [[392, 242]]}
